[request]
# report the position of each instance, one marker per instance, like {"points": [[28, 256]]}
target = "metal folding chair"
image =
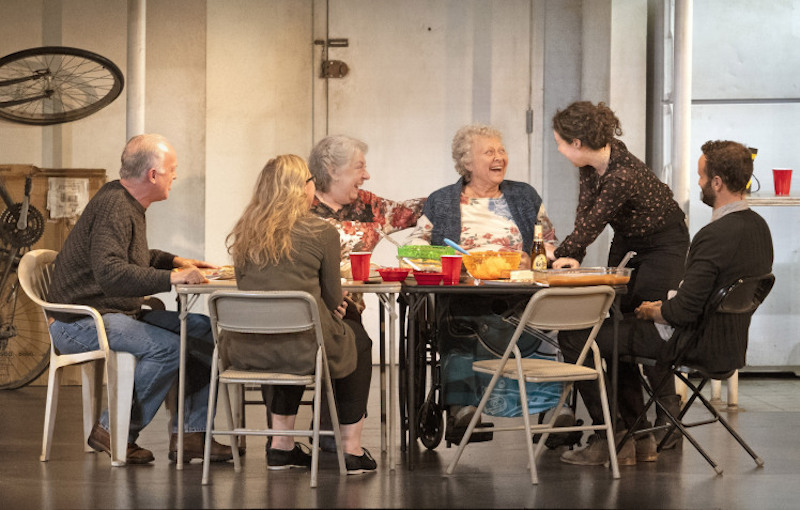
{"points": [[742, 297], [264, 313], [561, 308]]}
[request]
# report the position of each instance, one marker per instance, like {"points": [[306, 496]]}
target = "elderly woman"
{"points": [[483, 211], [617, 189], [339, 166], [278, 244]]}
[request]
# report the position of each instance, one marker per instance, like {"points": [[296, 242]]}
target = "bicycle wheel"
{"points": [[56, 84], [24, 339]]}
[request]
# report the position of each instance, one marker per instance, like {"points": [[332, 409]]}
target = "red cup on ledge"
{"points": [[783, 180], [451, 268], [359, 265]]}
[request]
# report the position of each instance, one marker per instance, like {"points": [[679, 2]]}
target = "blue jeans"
{"points": [[155, 341]]}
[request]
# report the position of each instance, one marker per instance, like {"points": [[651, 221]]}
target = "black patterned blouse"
{"points": [[628, 196]]}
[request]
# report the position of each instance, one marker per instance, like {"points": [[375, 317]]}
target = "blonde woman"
{"points": [[278, 244]]}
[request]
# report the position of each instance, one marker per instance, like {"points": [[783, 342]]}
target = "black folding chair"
{"points": [[742, 297]]}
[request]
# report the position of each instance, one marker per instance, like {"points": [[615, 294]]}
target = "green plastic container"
{"points": [[424, 256]]}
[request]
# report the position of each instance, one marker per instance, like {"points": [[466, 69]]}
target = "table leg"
{"points": [[183, 313], [616, 316], [388, 303], [382, 369]]}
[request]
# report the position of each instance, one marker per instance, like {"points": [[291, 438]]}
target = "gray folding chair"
{"points": [[561, 308], [265, 313]]}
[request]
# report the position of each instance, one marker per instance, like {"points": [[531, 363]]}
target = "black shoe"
{"points": [[282, 459], [567, 439], [357, 465], [455, 433]]}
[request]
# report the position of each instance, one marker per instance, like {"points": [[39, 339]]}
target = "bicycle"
{"points": [[40, 87], [24, 340], [56, 84]]}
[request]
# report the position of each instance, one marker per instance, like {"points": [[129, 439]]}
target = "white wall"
{"points": [[746, 87]]}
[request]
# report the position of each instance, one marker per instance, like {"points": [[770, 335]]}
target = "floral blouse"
{"points": [[628, 196], [357, 222]]}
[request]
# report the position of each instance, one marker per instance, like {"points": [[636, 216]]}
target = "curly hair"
{"points": [[594, 126], [263, 233], [731, 161], [330, 155], [462, 145]]}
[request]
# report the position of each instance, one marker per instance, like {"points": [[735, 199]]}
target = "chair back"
{"points": [[706, 350], [264, 312], [569, 308], [742, 296], [35, 272]]}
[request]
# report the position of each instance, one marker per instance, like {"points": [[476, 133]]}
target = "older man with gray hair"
{"points": [[106, 263]]}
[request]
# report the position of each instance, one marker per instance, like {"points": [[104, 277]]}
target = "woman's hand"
{"points": [[565, 262]]}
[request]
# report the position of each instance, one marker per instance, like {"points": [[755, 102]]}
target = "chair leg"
{"points": [[526, 419], [212, 405], [121, 369], [733, 390], [337, 433], [51, 407], [718, 417], [92, 393]]}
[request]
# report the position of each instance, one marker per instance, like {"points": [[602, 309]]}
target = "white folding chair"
{"points": [[35, 272], [265, 313], [559, 308]]}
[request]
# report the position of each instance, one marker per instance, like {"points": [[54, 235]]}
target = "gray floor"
{"points": [[490, 475]]}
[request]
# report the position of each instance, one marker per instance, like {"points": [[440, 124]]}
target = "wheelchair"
{"points": [[431, 325]]}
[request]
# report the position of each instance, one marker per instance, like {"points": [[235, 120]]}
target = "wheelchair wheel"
{"points": [[431, 424]]}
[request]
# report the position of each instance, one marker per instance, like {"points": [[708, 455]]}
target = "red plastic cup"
{"points": [[359, 265], [783, 180], [451, 268]]}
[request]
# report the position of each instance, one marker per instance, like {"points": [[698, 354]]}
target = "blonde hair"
{"points": [[262, 235]]}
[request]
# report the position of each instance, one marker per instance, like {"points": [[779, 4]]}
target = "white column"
{"points": [[682, 118], [137, 21]]}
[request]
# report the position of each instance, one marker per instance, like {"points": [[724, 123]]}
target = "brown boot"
{"points": [[193, 445], [100, 440]]}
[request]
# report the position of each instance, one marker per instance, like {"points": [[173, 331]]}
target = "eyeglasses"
{"points": [[311, 179]]}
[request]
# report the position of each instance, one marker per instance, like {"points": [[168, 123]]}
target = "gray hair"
{"points": [[143, 152], [330, 155], [462, 145]]}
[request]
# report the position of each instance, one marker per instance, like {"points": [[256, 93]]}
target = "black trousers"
{"points": [[636, 337], [658, 266], [351, 392]]}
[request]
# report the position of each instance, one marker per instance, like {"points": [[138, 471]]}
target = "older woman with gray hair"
{"points": [[339, 168], [338, 164], [485, 211]]}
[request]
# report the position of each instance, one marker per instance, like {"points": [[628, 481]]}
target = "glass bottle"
{"points": [[538, 254]]}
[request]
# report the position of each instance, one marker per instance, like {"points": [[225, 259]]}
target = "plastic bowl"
{"points": [[428, 278], [492, 265], [394, 274]]}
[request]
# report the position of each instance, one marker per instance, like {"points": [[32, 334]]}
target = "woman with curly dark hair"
{"points": [[618, 189]]}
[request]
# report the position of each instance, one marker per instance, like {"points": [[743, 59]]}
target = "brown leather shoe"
{"points": [[100, 440], [193, 445]]}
